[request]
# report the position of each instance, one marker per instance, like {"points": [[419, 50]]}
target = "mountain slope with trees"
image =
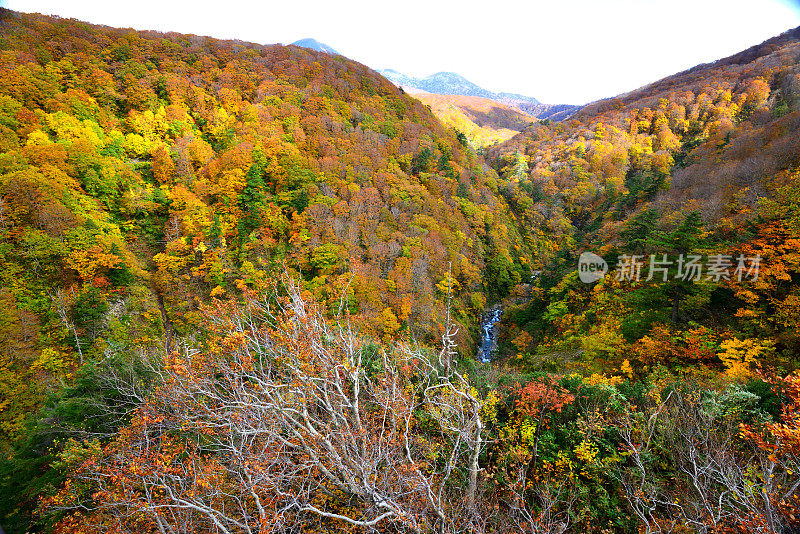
{"points": [[450, 83], [483, 121], [703, 162], [241, 284], [144, 175]]}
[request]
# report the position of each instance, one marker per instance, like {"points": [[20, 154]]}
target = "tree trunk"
{"points": [[473, 460]]}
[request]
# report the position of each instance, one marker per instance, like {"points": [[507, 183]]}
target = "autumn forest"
{"points": [[243, 286]]}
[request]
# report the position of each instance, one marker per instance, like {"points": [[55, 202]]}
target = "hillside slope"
{"points": [[450, 83], [155, 376], [705, 161], [483, 121], [144, 174]]}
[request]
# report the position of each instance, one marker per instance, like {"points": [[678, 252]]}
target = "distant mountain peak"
{"points": [[313, 44], [453, 84], [448, 75], [450, 83]]}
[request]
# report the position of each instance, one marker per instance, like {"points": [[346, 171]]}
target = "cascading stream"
{"points": [[489, 328]]}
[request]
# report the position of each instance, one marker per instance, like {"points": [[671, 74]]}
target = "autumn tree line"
{"points": [[241, 287]]}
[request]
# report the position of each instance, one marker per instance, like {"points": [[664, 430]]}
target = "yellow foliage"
{"points": [[586, 451], [489, 409], [626, 368], [741, 357], [38, 138], [200, 152], [88, 261], [527, 432], [217, 291], [52, 361], [448, 284], [602, 380], [605, 340], [389, 323]]}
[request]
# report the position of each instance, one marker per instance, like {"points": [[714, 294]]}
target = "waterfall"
{"points": [[489, 339]]}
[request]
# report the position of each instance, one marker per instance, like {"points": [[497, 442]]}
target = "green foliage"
{"points": [[501, 275], [421, 161], [88, 313], [92, 407], [638, 230], [143, 174]]}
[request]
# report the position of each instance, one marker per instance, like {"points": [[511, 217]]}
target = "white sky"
{"points": [[564, 51]]}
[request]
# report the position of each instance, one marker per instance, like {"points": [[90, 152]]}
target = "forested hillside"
{"points": [[145, 171], [143, 174], [241, 287], [689, 189], [454, 85], [484, 122], [702, 162]]}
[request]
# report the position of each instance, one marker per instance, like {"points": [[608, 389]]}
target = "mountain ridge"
{"points": [[693, 74], [449, 83], [453, 84], [484, 121], [156, 189]]}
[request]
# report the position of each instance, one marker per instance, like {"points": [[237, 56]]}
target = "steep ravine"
{"points": [[489, 331]]}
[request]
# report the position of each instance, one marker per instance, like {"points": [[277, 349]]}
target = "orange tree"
{"points": [[282, 420]]}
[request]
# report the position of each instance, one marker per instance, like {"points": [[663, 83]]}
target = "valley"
{"points": [[455, 85], [264, 288], [483, 121]]}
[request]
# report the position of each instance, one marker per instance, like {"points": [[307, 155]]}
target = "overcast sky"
{"points": [[564, 51]]}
